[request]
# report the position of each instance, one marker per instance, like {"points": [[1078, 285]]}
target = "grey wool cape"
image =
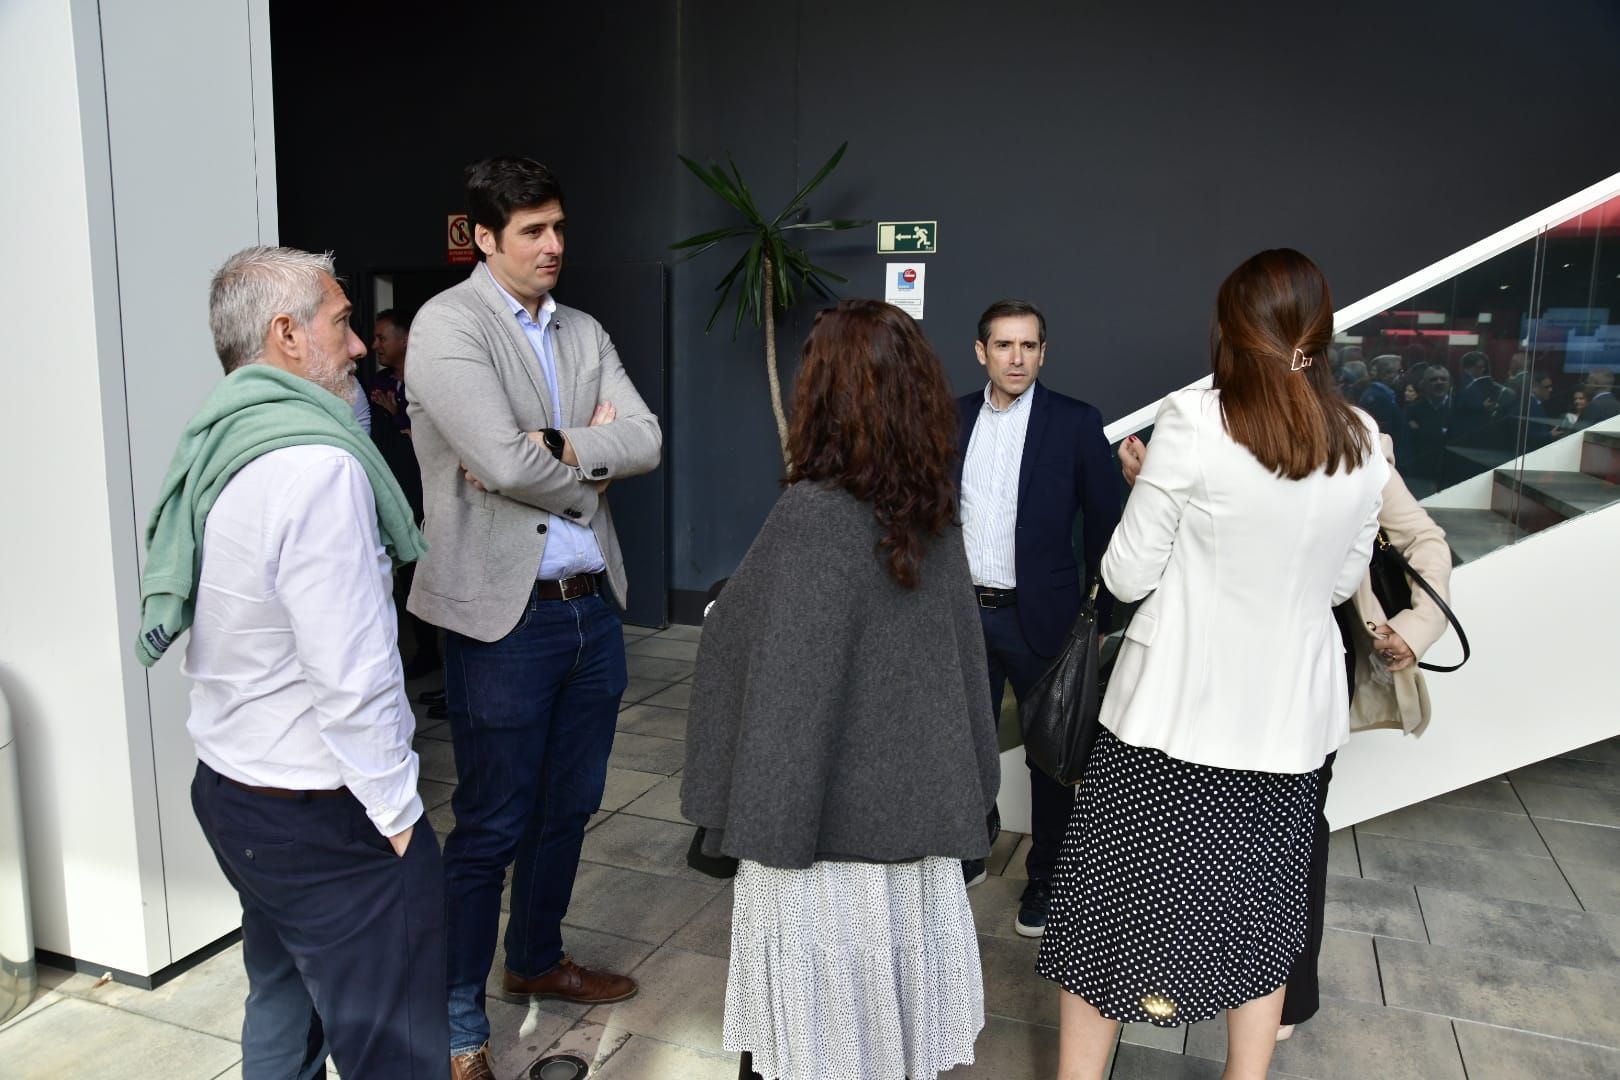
{"points": [[836, 715]]}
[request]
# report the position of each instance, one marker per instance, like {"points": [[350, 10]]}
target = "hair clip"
{"points": [[1300, 360]]}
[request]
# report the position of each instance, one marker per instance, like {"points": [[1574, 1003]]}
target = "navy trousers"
{"points": [[1012, 660], [532, 718], [342, 939]]}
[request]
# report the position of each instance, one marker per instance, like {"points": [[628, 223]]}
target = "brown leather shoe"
{"points": [[473, 1066], [570, 982]]}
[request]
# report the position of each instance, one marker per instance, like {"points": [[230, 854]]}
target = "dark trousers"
{"points": [[425, 634], [1013, 660], [342, 939], [532, 718], [1304, 997]]}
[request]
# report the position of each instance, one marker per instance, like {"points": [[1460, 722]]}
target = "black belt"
{"points": [[569, 588], [286, 793], [995, 598]]}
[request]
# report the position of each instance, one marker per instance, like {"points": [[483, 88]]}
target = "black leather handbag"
{"points": [[1059, 714], [1392, 581]]}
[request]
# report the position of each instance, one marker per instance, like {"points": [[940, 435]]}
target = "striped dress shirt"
{"points": [[990, 490]]}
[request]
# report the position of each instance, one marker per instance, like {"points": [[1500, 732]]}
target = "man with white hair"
{"points": [[273, 541]]}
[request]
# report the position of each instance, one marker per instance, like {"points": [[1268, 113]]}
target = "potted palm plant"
{"points": [[772, 272]]}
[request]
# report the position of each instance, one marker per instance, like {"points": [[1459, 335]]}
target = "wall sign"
{"points": [[916, 237], [903, 287], [458, 238]]}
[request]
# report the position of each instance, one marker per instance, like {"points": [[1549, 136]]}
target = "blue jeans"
{"points": [[532, 718]]}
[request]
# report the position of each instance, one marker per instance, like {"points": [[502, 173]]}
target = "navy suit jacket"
{"points": [[1067, 469]]}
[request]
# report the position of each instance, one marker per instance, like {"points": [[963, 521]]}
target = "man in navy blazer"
{"points": [[1031, 460]]}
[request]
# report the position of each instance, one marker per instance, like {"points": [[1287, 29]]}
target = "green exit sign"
{"points": [[915, 237]]}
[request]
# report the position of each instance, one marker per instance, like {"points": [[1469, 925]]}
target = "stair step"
{"points": [[1600, 455], [1472, 533], [1568, 494]]}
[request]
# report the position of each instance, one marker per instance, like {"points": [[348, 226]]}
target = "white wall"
{"points": [[133, 165], [1540, 618], [186, 174]]}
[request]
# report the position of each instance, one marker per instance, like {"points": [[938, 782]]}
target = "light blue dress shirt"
{"points": [[571, 548]]}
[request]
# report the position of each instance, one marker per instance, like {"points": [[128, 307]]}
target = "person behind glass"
{"points": [[1353, 380], [1570, 421], [1476, 395], [839, 742], [1031, 460], [1601, 403], [1428, 419], [1382, 398], [1181, 887], [521, 415], [1386, 688]]}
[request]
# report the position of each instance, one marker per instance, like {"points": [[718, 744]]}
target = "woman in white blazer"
{"points": [[1387, 689], [1180, 890]]}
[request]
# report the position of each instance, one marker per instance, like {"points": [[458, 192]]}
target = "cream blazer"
{"points": [[1235, 660], [1402, 701]]}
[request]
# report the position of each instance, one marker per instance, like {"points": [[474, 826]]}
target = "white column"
{"points": [[138, 153]]}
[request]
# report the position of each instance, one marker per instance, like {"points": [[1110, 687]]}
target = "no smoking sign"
{"points": [[458, 238]]}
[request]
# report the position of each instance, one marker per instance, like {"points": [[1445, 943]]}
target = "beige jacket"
{"points": [[1403, 701], [476, 390]]}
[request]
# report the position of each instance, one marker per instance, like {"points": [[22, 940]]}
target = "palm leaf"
{"points": [[830, 224], [815, 181], [709, 239], [747, 196], [724, 289], [717, 182]]}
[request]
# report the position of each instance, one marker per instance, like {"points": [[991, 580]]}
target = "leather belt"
{"points": [[995, 598], [569, 588], [286, 793]]}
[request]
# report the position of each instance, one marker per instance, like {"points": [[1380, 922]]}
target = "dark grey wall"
{"points": [[1112, 162], [378, 108]]}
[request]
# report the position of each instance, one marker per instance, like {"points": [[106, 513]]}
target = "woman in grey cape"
{"points": [[840, 744]]}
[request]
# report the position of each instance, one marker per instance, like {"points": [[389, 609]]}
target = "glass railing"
{"points": [[1497, 385], [1494, 375]]}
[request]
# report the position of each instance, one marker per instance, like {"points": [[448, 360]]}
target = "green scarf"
{"points": [[253, 410]]}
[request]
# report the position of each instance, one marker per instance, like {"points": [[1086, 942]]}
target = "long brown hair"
{"points": [[872, 414], [1268, 348]]}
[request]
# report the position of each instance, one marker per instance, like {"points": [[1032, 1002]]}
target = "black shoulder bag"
{"points": [[1392, 578], [1059, 714]]}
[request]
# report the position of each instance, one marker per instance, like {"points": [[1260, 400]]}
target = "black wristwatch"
{"points": [[553, 440]]}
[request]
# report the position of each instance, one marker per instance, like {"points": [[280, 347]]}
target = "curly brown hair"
{"points": [[872, 414]]}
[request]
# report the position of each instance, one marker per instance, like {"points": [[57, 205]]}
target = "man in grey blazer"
{"points": [[522, 415]]}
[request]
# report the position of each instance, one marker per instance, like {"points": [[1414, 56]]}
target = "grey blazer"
{"points": [[476, 391]]}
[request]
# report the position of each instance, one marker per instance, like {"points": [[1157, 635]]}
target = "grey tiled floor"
{"points": [[1476, 935]]}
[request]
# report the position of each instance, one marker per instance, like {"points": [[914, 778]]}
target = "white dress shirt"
{"points": [[294, 647], [1234, 660], [995, 454]]}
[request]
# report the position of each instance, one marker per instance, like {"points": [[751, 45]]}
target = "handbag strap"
{"points": [[1445, 608]]}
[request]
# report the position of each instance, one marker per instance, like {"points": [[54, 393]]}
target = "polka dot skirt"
{"points": [[1180, 889], [853, 971]]}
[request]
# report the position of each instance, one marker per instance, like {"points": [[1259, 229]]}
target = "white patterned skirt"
{"points": [[854, 971]]}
